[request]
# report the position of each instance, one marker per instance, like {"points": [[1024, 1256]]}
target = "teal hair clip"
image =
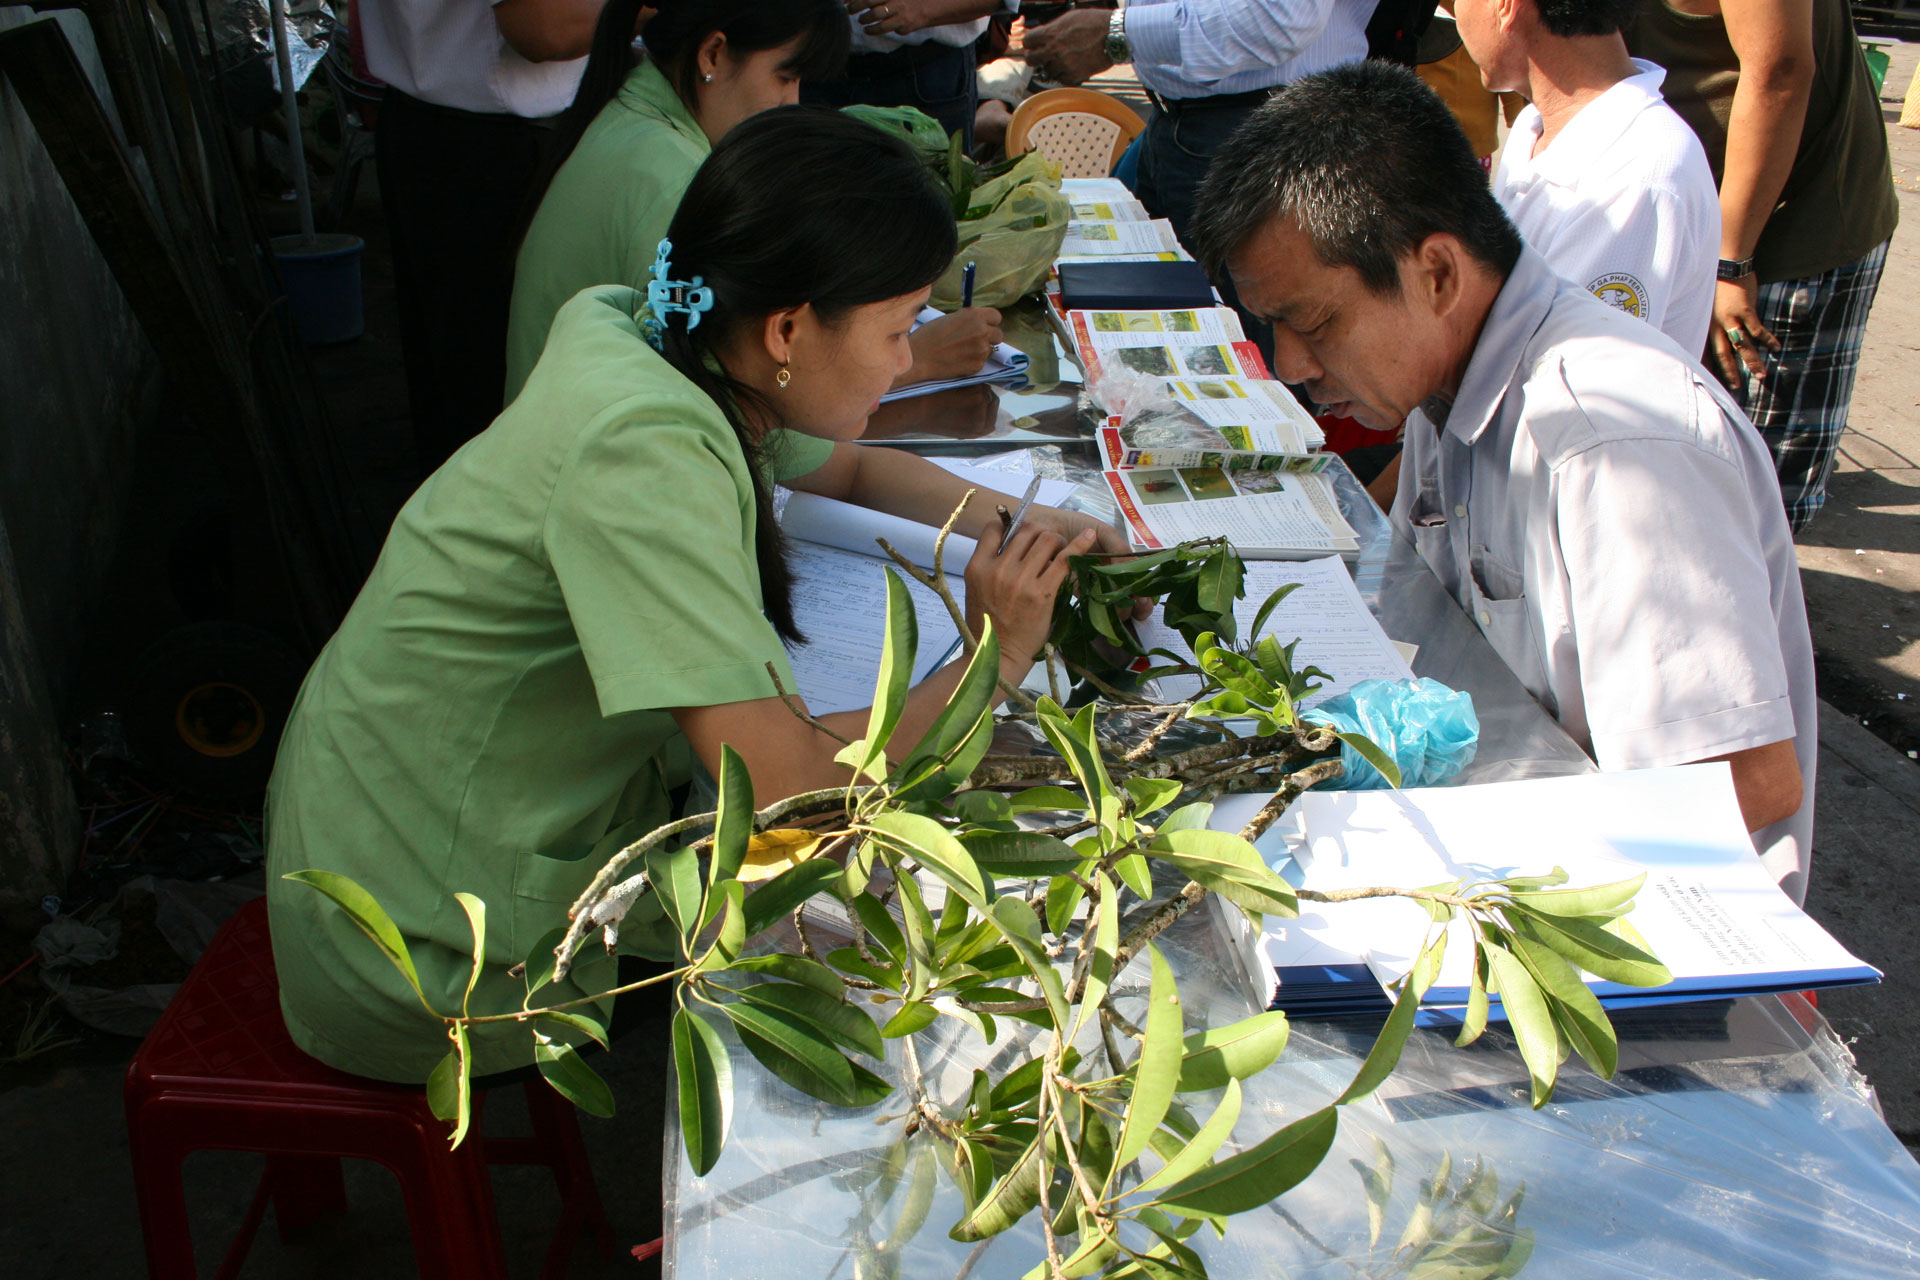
{"points": [[690, 298]]}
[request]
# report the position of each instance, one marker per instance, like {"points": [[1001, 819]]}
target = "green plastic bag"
{"points": [[1011, 217]]}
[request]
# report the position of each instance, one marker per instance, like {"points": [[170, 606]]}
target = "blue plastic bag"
{"points": [[1429, 731]]}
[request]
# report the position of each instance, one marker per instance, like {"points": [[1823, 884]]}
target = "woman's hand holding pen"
{"points": [[1017, 588], [954, 346], [1108, 541]]}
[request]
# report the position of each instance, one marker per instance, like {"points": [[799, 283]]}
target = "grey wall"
{"points": [[76, 384]]}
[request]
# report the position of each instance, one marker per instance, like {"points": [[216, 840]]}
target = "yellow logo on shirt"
{"points": [[1623, 291]]}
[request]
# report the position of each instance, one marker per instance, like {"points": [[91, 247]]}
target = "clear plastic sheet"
{"points": [[1737, 1140]]}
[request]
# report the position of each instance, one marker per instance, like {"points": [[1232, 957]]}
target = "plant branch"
{"points": [[800, 709], [1146, 745]]}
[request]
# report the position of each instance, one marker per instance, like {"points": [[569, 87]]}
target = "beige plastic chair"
{"points": [[1082, 131]]}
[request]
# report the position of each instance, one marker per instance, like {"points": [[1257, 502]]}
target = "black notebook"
{"points": [[1133, 286]]}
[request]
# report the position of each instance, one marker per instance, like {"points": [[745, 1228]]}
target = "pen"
{"points": [[966, 287], [1013, 524]]}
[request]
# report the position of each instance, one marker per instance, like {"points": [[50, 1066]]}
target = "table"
{"points": [[1737, 1139]]}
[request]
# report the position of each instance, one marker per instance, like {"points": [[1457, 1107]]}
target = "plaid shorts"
{"points": [[1801, 405]]}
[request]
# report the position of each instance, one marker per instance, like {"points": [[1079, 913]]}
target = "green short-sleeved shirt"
{"points": [[489, 717], [602, 219]]}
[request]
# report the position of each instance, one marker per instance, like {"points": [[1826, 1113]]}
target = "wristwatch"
{"points": [[1118, 50], [1730, 269]]}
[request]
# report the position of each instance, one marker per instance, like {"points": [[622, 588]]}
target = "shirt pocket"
{"points": [[1504, 615]]}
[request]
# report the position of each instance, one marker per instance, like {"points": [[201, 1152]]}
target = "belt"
{"points": [[1212, 102], [873, 66]]}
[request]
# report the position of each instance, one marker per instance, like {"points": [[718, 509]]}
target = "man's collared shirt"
{"points": [[1611, 522], [1623, 202], [1200, 48]]}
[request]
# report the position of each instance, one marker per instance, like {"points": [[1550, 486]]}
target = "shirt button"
{"points": [[1460, 510], [1486, 619]]}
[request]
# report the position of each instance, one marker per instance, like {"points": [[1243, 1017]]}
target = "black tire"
{"points": [[206, 704]]}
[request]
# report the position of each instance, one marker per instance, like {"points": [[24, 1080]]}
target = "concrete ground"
{"points": [[66, 1192]]}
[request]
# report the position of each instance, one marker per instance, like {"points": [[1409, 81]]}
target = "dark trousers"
{"points": [[938, 79], [453, 184], [1174, 153]]}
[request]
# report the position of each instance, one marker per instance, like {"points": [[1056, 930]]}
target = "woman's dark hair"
{"points": [[796, 205], [673, 38]]}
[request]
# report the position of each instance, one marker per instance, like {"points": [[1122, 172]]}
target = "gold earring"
{"points": [[782, 378]]}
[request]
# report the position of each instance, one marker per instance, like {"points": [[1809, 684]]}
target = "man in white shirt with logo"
{"points": [[1596, 504], [1599, 174]]}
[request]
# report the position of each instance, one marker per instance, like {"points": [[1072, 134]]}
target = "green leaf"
{"points": [[704, 1074], [537, 968], [1475, 1021], [1152, 794], [369, 916], [1192, 1157], [733, 822], [1575, 1008], [1064, 896], [476, 921], [461, 1085], [982, 808], [1028, 855], [838, 1021], [732, 934], [1135, 874], [1021, 928], [798, 969], [847, 960], [1022, 1084], [1219, 585], [1599, 951], [1048, 800], [913, 1016], [1187, 816], [919, 939], [1106, 943], [936, 849], [1230, 867], [1378, 1181], [895, 676], [880, 926], [1008, 1201], [588, 1027], [1220, 1055], [1531, 1020], [786, 891], [796, 1051], [1268, 605], [1392, 1040], [444, 1087], [675, 876], [1157, 1070], [918, 1202], [1257, 1175], [961, 732], [1372, 754], [1597, 900], [573, 1078]]}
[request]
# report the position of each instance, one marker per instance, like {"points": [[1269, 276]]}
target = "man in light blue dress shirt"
{"points": [[1207, 63]]}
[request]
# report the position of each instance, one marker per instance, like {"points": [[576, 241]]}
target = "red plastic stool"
{"points": [[219, 1071]]}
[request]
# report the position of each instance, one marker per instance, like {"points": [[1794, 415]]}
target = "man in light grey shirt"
{"points": [[1600, 509]]}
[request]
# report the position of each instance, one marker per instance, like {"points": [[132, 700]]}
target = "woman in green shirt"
{"points": [[638, 128], [594, 587]]}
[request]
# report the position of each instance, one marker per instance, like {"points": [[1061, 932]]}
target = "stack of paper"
{"points": [[1151, 240], [1324, 612], [1265, 515], [1708, 909]]}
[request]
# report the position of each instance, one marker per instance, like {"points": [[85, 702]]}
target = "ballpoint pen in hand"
{"points": [[1012, 522], [966, 286]]}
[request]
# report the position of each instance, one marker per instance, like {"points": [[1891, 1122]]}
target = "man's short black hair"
{"points": [[1586, 17], [1368, 162]]}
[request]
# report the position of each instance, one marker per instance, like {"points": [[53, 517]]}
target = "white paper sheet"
{"points": [[1109, 209], [1709, 910], [1188, 327], [1268, 515], [1336, 632], [840, 603], [1104, 239]]}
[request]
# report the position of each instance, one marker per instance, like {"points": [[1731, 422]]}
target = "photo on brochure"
{"points": [[1159, 486]]}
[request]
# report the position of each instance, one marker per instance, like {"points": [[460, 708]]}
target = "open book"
{"points": [[1198, 343], [1218, 422], [1266, 515], [1708, 910], [1148, 240], [840, 590]]}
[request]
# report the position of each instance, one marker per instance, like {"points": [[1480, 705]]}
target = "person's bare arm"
{"points": [[1767, 780], [1773, 40], [901, 17], [548, 30], [954, 346], [785, 755]]}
